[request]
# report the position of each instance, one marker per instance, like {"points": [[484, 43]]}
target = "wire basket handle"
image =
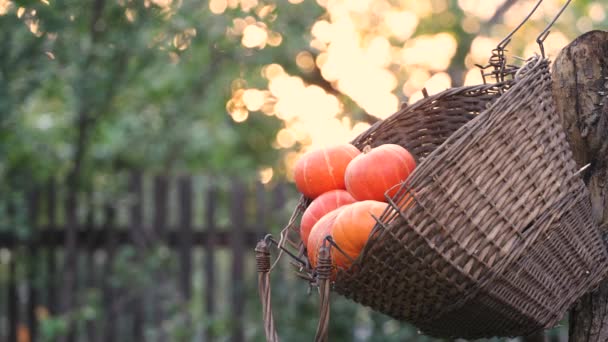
{"points": [[545, 33], [498, 60], [262, 258], [324, 273]]}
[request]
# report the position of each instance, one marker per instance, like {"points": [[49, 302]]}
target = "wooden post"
{"points": [[91, 326], [161, 205], [580, 89], [210, 300], [160, 220], [33, 269], [238, 247], [51, 285], [185, 236], [108, 290], [136, 223], [13, 303]]}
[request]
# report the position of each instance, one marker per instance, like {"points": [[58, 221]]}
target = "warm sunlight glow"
{"points": [[248, 5], [131, 14], [438, 83], [483, 9], [481, 49], [596, 11], [265, 175], [285, 139], [34, 25], [218, 6], [415, 81], [554, 43], [254, 99], [473, 77], [401, 24], [272, 70], [305, 61], [470, 24], [182, 41], [5, 6], [164, 4], [239, 114], [254, 36], [274, 38], [371, 54], [422, 51]]}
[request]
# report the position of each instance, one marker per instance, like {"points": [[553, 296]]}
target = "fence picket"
{"points": [[123, 309], [161, 195], [209, 244], [32, 297], [136, 223], [69, 272], [13, 309], [52, 255], [185, 236], [238, 246], [108, 291], [91, 326]]}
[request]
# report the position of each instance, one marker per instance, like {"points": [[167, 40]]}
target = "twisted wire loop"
{"points": [[324, 270], [498, 60], [262, 259], [540, 40]]}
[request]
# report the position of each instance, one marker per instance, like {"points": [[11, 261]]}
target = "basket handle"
{"points": [[324, 269], [498, 60], [262, 258], [545, 33]]}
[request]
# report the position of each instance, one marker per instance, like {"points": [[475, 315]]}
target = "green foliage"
{"points": [[91, 89]]}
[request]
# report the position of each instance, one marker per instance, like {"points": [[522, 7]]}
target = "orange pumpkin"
{"points": [[319, 232], [320, 206], [351, 230], [323, 170], [371, 174]]}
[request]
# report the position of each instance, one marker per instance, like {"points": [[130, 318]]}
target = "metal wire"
{"points": [[498, 60], [545, 33]]}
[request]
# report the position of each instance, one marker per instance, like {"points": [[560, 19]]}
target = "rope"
{"points": [[262, 258], [324, 270]]}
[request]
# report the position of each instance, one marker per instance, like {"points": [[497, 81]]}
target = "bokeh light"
{"points": [[372, 56]]}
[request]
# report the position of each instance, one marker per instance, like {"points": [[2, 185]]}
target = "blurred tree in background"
{"points": [[237, 88]]}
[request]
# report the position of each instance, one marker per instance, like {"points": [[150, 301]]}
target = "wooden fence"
{"points": [[194, 220], [179, 215]]}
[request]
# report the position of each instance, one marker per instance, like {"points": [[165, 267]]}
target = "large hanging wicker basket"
{"points": [[498, 240]]}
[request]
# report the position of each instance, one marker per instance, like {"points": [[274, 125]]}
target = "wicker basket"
{"points": [[498, 240]]}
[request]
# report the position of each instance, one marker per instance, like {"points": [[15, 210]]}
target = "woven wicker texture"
{"points": [[498, 240]]}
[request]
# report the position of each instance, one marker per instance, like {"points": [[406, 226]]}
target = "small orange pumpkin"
{"points": [[351, 229], [319, 232], [320, 206], [323, 170], [371, 174]]}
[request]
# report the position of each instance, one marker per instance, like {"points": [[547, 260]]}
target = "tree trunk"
{"points": [[580, 89]]}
